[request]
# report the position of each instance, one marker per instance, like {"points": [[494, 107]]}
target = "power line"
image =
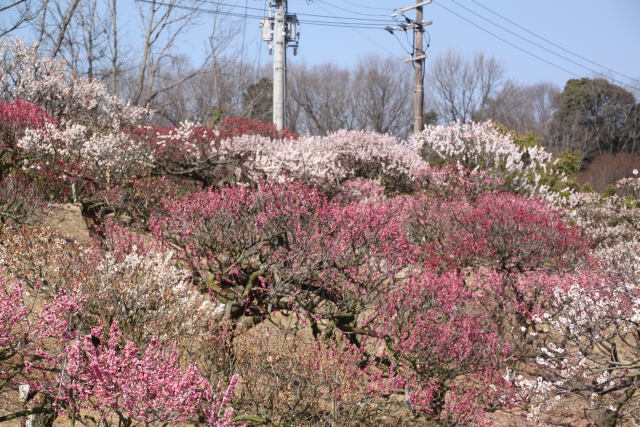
{"points": [[635, 80], [345, 9], [537, 44], [360, 33], [260, 41], [508, 42], [199, 9], [244, 34], [364, 6], [354, 18], [342, 23]]}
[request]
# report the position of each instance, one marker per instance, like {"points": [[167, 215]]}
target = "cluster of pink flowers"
{"points": [[100, 371]]}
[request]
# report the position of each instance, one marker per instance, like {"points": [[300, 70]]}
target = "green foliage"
{"points": [[595, 115], [559, 174], [562, 172]]}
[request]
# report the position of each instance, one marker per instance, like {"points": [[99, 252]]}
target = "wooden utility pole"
{"points": [[418, 103], [418, 59]]}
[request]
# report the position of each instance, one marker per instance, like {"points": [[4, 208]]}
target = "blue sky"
{"points": [[607, 33]]}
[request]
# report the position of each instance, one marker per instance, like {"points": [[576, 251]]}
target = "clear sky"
{"points": [[607, 33]]}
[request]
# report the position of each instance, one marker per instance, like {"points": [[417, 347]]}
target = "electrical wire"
{"points": [[362, 35], [362, 5], [402, 44], [345, 9], [354, 18], [244, 34], [199, 9], [537, 44], [635, 80], [507, 41], [341, 23], [260, 42]]}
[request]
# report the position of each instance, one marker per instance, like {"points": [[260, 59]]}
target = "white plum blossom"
{"points": [[482, 146], [48, 83]]}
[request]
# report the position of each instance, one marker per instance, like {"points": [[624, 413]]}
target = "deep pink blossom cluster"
{"points": [[103, 372], [439, 281], [100, 371], [19, 115]]}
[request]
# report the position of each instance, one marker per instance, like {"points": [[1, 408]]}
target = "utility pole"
{"points": [[418, 103], [281, 29], [279, 65], [418, 58]]}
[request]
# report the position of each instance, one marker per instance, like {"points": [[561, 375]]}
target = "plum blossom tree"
{"points": [[429, 289], [103, 373], [525, 168], [48, 83], [99, 371]]}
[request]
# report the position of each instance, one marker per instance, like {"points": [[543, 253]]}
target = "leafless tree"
{"points": [[163, 23], [88, 35], [522, 107], [461, 87], [383, 94], [375, 95], [323, 95], [17, 13]]}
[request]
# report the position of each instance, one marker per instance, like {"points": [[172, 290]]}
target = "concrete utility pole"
{"points": [[280, 65], [282, 31], [418, 59]]}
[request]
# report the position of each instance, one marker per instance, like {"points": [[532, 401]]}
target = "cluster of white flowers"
{"points": [[538, 393], [109, 153], [609, 221], [629, 186], [482, 146], [150, 291], [47, 82], [326, 159]]}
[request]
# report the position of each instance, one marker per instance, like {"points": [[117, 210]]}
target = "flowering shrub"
{"points": [[588, 349], [23, 331], [18, 115], [99, 371], [351, 270], [330, 160], [47, 82], [74, 152], [257, 247], [609, 221], [231, 127], [587, 346], [508, 232], [525, 168], [102, 373], [206, 155]]}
